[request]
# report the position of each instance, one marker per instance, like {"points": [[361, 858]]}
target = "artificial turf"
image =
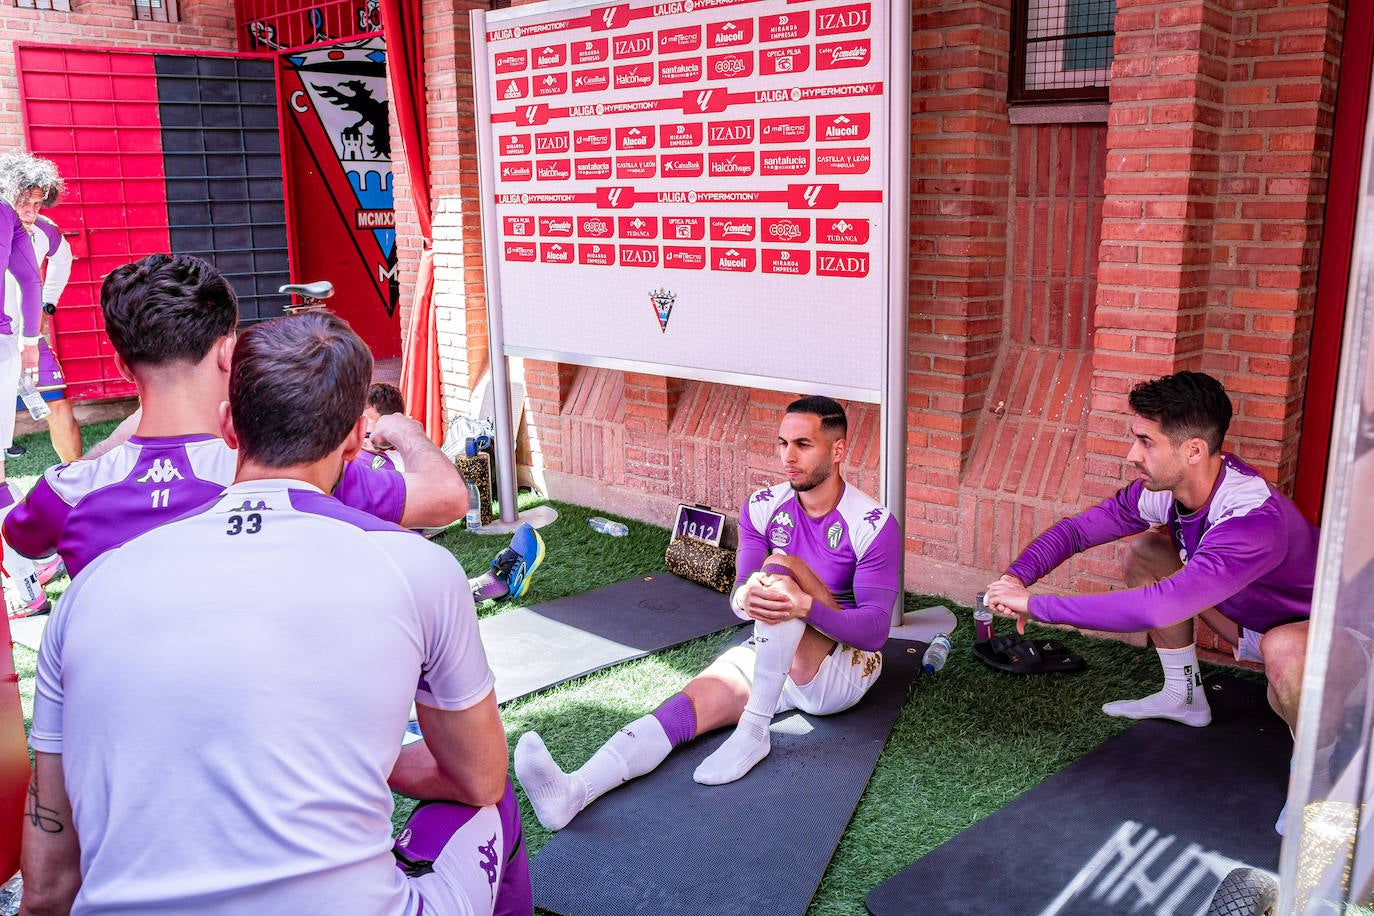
{"points": [[968, 741]]}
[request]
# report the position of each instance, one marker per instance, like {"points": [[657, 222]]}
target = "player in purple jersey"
{"points": [[821, 603], [383, 400], [1212, 540], [32, 184], [312, 627], [173, 324]]}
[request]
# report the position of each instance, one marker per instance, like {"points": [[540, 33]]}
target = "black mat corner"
{"points": [[534, 648], [664, 844], [1150, 821]]}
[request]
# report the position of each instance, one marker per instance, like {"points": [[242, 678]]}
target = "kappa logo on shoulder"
{"points": [[763, 495], [162, 471], [873, 516], [489, 861]]}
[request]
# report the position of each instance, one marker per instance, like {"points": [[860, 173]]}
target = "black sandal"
{"points": [[1018, 655]]}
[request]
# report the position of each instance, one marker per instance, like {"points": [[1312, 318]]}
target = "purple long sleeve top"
{"points": [[855, 549], [16, 253], [1248, 552]]}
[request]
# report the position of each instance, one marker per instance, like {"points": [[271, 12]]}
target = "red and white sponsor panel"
{"points": [[730, 151]]}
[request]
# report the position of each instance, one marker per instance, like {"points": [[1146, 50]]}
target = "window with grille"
{"points": [[61, 5], [156, 10], [1062, 50]]}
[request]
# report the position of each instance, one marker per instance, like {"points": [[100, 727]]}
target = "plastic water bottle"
{"points": [[606, 526], [982, 619], [474, 517], [38, 408], [935, 656]]}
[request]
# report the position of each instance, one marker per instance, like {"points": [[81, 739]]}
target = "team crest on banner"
{"points": [[342, 88], [663, 301]]}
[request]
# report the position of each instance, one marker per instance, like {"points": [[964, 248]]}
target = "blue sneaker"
{"points": [[516, 564]]}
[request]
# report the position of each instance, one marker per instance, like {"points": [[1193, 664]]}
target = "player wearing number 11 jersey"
{"points": [[173, 324]]}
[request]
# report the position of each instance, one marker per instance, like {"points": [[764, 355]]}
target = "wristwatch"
{"points": [[49, 308]]}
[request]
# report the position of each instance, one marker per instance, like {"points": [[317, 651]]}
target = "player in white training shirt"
{"points": [[226, 742], [173, 324]]}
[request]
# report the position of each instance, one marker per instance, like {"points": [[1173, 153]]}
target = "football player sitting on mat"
{"points": [[818, 574]]}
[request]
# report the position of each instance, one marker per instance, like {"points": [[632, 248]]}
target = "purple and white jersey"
{"points": [[82, 509], [1248, 552], [855, 549], [16, 254], [226, 692]]}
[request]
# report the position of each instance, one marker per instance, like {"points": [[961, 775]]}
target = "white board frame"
{"points": [[891, 345]]}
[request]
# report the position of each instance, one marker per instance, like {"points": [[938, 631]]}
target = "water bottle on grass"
{"points": [[474, 516], [606, 526], [936, 653], [982, 619]]}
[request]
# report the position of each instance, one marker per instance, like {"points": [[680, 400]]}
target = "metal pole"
{"points": [[893, 427], [504, 447]]}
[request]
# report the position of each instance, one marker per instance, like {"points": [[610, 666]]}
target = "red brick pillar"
{"points": [[650, 402], [459, 293], [960, 162]]}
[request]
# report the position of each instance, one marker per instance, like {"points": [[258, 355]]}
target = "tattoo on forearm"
{"points": [[44, 818]]}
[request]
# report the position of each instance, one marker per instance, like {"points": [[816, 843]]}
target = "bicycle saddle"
{"points": [[320, 289]]}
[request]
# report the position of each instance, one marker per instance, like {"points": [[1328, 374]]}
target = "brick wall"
{"points": [[204, 25], [1052, 266]]}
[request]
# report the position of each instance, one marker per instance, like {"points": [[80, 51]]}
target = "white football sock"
{"points": [[775, 645], [1182, 698], [558, 797]]}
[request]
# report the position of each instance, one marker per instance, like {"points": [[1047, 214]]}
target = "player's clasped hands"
{"points": [[1008, 597], [772, 598], [390, 427]]}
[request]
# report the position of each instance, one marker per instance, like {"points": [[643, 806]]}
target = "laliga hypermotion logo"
{"points": [[663, 301]]}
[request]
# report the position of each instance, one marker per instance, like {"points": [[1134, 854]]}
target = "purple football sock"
{"points": [[678, 719]]}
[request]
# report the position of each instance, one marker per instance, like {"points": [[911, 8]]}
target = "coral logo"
{"points": [[594, 227], [730, 66], [789, 230]]}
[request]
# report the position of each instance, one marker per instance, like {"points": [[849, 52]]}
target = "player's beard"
{"points": [[817, 477]]}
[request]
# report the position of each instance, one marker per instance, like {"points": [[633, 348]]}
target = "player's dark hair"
{"points": [[833, 421], [297, 386], [1185, 405], [162, 309], [385, 398]]}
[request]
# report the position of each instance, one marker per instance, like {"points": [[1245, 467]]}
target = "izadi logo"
{"points": [[663, 301], [162, 471]]}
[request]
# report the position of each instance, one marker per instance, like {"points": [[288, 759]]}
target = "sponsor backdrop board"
{"points": [[696, 189]]}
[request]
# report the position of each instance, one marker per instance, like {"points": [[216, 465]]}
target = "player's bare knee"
{"points": [[1284, 649], [718, 696], [1150, 556]]}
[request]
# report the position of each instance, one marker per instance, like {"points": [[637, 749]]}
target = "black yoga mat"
{"points": [[663, 844], [1149, 822], [534, 648]]}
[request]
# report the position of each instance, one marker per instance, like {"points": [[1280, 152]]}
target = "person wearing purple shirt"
{"points": [[173, 322], [1212, 540], [818, 574]]}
